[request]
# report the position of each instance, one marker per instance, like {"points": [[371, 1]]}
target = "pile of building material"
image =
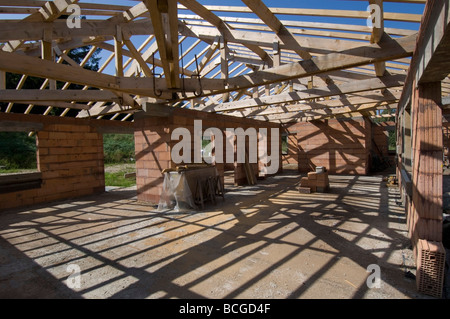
{"points": [[315, 182]]}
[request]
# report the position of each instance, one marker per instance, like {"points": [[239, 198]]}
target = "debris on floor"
{"points": [[391, 181]]}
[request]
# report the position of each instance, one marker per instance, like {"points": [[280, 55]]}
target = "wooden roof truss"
{"points": [[246, 61]]}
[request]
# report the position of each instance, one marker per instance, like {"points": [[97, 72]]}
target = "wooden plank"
{"points": [[22, 96], [394, 16], [118, 51], [49, 11], [137, 55], [383, 51], [315, 45], [18, 126], [325, 113], [263, 12], [345, 100], [365, 85], [378, 32], [2, 80], [165, 24], [223, 29]]}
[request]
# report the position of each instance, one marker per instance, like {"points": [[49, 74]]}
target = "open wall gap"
{"points": [[120, 162]]}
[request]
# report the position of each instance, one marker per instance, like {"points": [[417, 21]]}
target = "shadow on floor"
{"points": [[264, 241]]}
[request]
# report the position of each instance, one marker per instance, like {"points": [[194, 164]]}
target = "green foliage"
{"points": [[118, 179], [284, 145], [79, 54], [17, 150], [392, 140], [118, 148]]}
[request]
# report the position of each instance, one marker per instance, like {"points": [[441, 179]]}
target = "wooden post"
{"points": [[224, 66], [2, 80], [47, 50], [276, 59], [118, 50]]}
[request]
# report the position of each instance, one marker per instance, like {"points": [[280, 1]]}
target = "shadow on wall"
{"points": [[342, 146]]}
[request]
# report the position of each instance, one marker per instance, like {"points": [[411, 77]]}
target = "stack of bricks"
{"points": [[315, 182]]}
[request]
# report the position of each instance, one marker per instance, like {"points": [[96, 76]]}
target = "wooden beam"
{"points": [[378, 31], [50, 11], [325, 112], [101, 109], [263, 12], [137, 55], [118, 51], [21, 64], [314, 45], [22, 96], [224, 74], [394, 16], [164, 18], [386, 95], [222, 28], [365, 85], [2, 80], [388, 49]]}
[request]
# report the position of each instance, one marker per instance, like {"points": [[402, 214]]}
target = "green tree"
{"points": [[17, 150], [118, 148]]}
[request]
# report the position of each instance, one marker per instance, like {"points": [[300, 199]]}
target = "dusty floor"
{"points": [[267, 242]]}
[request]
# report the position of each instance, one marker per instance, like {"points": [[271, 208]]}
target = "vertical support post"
{"points": [[276, 59], [2, 80], [118, 51], [224, 73], [47, 49]]}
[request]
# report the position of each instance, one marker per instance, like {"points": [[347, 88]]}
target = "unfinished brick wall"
{"points": [[342, 146], [151, 140], [153, 146], [70, 159]]}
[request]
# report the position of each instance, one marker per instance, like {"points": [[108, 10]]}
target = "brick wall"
{"points": [[70, 159], [342, 146], [153, 146]]}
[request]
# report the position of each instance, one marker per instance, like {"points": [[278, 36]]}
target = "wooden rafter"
{"points": [[266, 67]]}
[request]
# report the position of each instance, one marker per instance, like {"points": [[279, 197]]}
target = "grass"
{"points": [[118, 179], [114, 174], [15, 171]]}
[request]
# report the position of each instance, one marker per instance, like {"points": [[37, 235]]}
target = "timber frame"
{"points": [[245, 61], [251, 62]]}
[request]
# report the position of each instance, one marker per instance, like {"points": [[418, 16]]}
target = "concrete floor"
{"points": [[265, 241]]}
